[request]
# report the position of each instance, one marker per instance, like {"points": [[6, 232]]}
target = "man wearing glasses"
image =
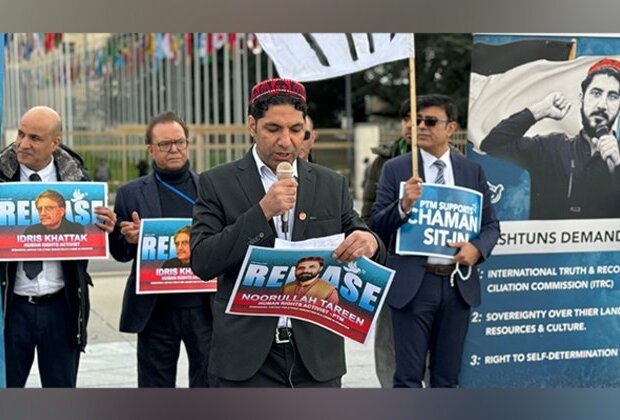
{"points": [[181, 244], [162, 321], [51, 207], [428, 314]]}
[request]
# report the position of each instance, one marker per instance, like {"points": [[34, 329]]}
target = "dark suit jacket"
{"points": [[69, 168], [140, 195], [65, 227], [228, 218], [385, 220], [174, 263]]}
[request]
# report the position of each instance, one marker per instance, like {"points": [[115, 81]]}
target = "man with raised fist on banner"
{"points": [[430, 312], [571, 177], [245, 203]]}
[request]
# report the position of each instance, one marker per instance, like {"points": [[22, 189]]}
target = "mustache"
{"points": [[601, 113]]}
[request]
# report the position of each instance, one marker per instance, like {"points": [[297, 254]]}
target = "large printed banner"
{"points": [[163, 264], [310, 285], [51, 221], [442, 215], [544, 126]]}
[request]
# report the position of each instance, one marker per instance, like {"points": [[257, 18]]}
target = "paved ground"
{"points": [[110, 358]]}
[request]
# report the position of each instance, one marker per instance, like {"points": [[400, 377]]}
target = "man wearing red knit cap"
{"points": [[571, 177], [240, 204]]}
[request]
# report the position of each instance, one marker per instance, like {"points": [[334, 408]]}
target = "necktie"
{"points": [[441, 165], [33, 268]]}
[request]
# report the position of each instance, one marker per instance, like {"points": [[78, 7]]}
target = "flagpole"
{"points": [[68, 103], [414, 113], [227, 101], [246, 84], [238, 91], [140, 57], [196, 64], [207, 138], [573, 49], [216, 102]]}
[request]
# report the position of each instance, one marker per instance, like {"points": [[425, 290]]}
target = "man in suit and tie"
{"points": [[428, 313], [162, 321], [240, 204], [181, 244], [51, 207], [47, 302]]}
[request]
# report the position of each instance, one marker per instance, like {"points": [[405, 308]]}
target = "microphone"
{"points": [[603, 130], [284, 170]]}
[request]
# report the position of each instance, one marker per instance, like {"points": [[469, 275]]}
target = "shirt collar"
{"points": [[265, 170], [429, 159], [45, 173]]}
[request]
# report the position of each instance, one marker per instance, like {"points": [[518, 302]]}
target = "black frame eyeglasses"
{"points": [[430, 121], [166, 145]]}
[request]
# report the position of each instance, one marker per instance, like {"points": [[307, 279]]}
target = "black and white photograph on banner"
{"points": [[543, 122]]}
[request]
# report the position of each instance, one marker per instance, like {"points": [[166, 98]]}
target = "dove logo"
{"points": [[78, 195], [352, 267], [496, 192]]}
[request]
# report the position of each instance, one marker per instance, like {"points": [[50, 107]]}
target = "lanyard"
{"points": [[175, 190]]}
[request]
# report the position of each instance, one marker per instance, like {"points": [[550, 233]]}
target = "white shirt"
{"points": [[50, 278], [430, 173], [430, 169], [268, 178]]}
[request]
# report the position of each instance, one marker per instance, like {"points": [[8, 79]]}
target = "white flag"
{"points": [[317, 56]]}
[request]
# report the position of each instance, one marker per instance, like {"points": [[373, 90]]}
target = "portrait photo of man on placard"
{"points": [[308, 283], [52, 210], [181, 243]]}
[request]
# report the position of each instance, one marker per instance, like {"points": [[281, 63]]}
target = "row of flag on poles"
{"points": [[35, 43], [121, 52], [159, 45]]}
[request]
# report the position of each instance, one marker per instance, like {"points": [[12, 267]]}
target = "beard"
{"points": [[304, 277], [604, 125]]}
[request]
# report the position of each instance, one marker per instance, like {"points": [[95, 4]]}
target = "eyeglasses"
{"points": [[430, 121], [47, 208], [166, 145]]}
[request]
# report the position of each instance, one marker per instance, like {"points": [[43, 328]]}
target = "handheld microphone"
{"points": [[603, 130], [284, 170]]}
